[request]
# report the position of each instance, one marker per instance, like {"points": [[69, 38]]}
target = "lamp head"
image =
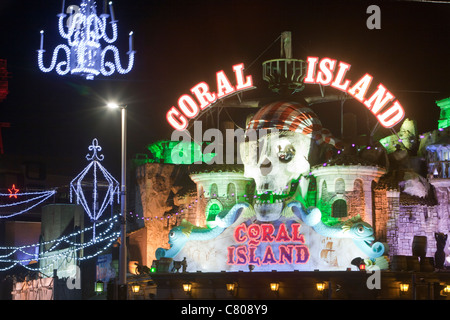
{"points": [[112, 105]]}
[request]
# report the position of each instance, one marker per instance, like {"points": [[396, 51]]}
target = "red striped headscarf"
{"points": [[292, 116]]}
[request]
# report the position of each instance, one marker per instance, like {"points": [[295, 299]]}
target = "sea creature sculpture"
{"points": [[180, 235], [359, 231]]}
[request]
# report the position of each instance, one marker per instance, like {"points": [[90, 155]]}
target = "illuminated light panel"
{"points": [[83, 54], [322, 71]]}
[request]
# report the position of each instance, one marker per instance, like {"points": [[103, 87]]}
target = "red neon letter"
{"points": [[267, 232], [302, 254], [296, 236], [241, 254], [240, 78], [337, 83], [254, 232], [312, 62], [251, 256], [325, 74], [269, 257], [230, 255], [360, 88], [282, 235], [176, 119], [391, 116], [286, 253], [237, 233], [188, 106], [381, 97], [203, 95], [224, 86]]}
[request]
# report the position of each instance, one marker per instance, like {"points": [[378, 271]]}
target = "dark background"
{"points": [[180, 43]]}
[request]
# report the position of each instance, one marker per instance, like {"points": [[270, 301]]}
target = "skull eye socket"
{"points": [[286, 153]]}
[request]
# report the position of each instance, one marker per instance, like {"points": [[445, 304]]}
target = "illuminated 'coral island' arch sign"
{"points": [[329, 73], [279, 227]]}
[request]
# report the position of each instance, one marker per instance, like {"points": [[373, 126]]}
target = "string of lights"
{"points": [[29, 198], [54, 255]]}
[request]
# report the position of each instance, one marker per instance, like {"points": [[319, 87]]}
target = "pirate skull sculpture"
{"points": [[285, 133]]}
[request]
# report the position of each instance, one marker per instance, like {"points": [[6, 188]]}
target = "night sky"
{"points": [[180, 43]]}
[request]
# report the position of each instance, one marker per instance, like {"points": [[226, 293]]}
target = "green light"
{"points": [[444, 118], [99, 285], [178, 152]]}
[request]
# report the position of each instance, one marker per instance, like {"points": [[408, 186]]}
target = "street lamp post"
{"points": [[123, 226]]}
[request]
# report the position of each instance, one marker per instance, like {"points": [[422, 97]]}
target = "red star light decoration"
{"points": [[13, 191]]}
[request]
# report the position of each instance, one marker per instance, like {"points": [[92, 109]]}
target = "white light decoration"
{"points": [[31, 199], [51, 258], [109, 182], [83, 53]]}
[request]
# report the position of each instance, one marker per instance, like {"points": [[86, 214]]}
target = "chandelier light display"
{"points": [[100, 200], [83, 54]]}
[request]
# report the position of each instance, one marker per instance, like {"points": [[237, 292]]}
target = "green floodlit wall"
{"points": [[177, 152], [444, 118]]}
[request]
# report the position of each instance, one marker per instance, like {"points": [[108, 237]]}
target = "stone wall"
{"points": [[398, 221], [355, 202], [381, 217], [165, 196]]}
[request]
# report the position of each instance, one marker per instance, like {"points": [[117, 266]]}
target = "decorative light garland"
{"points": [[83, 54], [109, 235], [40, 197]]}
